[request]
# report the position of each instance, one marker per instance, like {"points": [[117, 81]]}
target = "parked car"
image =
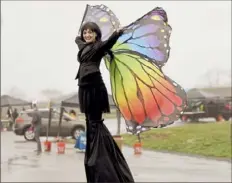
{"points": [[69, 127], [218, 109]]}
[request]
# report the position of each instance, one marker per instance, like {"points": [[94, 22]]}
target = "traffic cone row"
{"points": [[60, 146]]}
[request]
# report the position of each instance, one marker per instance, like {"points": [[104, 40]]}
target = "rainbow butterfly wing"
{"points": [[148, 36], [104, 17], [144, 95]]}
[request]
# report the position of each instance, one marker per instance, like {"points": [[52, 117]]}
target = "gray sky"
{"points": [[38, 50]]}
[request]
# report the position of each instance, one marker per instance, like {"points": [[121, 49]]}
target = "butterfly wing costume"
{"points": [[145, 96]]}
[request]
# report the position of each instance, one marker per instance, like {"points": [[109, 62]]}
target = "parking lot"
{"points": [[20, 164]]}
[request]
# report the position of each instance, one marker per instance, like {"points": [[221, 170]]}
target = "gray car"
{"points": [[70, 126]]}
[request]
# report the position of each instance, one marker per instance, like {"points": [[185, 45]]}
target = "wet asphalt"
{"points": [[20, 164]]}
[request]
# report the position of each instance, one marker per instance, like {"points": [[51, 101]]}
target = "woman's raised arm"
{"points": [[108, 44]]}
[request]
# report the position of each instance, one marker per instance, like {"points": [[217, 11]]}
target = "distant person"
{"points": [[37, 124], [202, 107], [9, 115], [15, 114], [9, 112], [73, 113]]}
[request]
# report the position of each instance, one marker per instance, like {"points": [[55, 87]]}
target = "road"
{"points": [[20, 164]]}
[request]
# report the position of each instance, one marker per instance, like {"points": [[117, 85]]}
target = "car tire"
{"points": [[77, 130], [226, 117], [219, 118], [184, 118], [29, 136]]}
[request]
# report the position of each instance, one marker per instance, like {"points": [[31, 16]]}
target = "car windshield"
{"points": [[66, 116], [45, 114]]}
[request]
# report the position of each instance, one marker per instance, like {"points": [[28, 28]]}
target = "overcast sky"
{"points": [[38, 50]]}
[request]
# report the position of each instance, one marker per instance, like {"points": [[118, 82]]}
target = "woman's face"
{"points": [[89, 36]]}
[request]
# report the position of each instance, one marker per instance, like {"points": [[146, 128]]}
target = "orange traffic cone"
{"points": [[137, 148], [60, 147], [47, 146]]}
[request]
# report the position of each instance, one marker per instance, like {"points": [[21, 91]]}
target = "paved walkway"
{"points": [[20, 164]]}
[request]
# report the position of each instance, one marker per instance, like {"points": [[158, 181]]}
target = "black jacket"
{"points": [[90, 55]]}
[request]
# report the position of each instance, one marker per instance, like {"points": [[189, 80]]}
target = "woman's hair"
{"points": [[93, 27]]}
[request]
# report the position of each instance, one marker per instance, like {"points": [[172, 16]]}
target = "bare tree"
{"points": [[215, 78], [16, 92]]}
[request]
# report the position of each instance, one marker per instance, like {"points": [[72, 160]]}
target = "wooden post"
{"points": [[118, 139], [139, 138], [49, 122], [118, 114], [60, 120]]}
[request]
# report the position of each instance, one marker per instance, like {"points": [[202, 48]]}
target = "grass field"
{"points": [[208, 139]]}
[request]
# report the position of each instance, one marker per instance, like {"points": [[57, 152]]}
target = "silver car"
{"points": [[69, 127]]}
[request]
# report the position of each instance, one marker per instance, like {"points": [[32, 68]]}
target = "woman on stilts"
{"points": [[104, 161]]}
